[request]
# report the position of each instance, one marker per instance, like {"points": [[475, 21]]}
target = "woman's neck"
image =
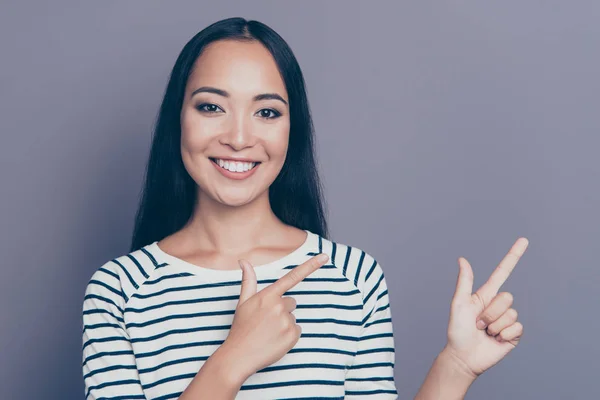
{"points": [[232, 229]]}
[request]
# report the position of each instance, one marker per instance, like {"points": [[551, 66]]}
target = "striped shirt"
{"points": [[151, 320]]}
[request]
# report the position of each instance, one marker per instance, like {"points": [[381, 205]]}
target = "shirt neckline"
{"points": [[297, 255]]}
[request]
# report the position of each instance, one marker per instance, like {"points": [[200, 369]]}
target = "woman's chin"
{"points": [[234, 199]]}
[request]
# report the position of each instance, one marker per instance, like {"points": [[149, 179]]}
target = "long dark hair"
{"points": [[169, 193]]}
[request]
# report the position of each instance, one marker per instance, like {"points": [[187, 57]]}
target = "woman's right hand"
{"points": [[263, 328]]}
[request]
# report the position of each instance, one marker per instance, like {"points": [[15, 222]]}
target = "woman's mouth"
{"points": [[234, 169]]}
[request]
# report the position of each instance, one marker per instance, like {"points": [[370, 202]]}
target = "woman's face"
{"points": [[240, 112]]}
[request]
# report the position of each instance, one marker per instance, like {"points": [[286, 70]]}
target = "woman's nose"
{"points": [[239, 133]]}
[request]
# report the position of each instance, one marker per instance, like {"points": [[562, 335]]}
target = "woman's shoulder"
{"points": [[123, 275], [355, 263]]}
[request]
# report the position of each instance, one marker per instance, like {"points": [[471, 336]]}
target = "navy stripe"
{"points": [[333, 250], [371, 379], [178, 316], [111, 368], [135, 285], [114, 383], [172, 362], [106, 354], [383, 308], [106, 271], [104, 339], [181, 330], [101, 311], [323, 320], [317, 292], [138, 265], [372, 365], [318, 350], [115, 291], [375, 312], [377, 336], [150, 256], [312, 398], [176, 302], [324, 266], [371, 270], [374, 289], [292, 383], [95, 296], [183, 346], [381, 321], [337, 306], [382, 294], [363, 392], [379, 350], [169, 379], [169, 396], [102, 325], [360, 263], [298, 366], [164, 277], [329, 335], [348, 251]]}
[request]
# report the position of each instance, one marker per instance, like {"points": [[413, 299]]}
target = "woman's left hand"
{"points": [[478, 348]]}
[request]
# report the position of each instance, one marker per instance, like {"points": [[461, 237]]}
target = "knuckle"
{"points": [[507, 297], [485, 317], [492, 331], [519, 327], [293, 276], [278, 308], [287, 324], [261, 300], [478, 299]]}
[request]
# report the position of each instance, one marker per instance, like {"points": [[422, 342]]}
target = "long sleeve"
{"points": [[372, 373], [109, 368]]}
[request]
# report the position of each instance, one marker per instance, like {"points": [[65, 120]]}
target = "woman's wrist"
{"points": [[452, 361], [231, 366], [448, 379]]}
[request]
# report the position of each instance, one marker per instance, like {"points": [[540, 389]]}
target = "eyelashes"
{"points": [[210, 108]]}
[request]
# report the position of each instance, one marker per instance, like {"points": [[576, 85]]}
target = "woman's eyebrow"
{"points": [[258, 97]]}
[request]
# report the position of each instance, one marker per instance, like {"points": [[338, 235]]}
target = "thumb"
{"points": [[464, 283], [248, 288]]}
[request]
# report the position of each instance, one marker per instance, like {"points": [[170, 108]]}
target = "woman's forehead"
{"points": [[238, 68]]}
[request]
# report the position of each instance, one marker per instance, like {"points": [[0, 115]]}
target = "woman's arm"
{"points": [[447, 379], [218, 378]]}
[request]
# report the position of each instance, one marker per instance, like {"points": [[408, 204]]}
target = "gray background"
{"points": [[445, 129]]}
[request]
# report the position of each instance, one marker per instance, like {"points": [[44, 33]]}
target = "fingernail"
{"points": [[480, 324], [322, 257]]}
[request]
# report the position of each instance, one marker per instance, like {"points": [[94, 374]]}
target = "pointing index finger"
{"points": [[296, 275], [489, 289]]}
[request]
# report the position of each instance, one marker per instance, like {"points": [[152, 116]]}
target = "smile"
{"points": [[235, 170]]}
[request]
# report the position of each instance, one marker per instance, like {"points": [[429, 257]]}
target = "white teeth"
{"points": [[235, 166]]}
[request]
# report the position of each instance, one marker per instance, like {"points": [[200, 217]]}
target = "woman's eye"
{"points": [[265, 113], [207, 107]]}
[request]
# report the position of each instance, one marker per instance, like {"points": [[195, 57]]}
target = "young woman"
{"points": [[223, 294]]}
